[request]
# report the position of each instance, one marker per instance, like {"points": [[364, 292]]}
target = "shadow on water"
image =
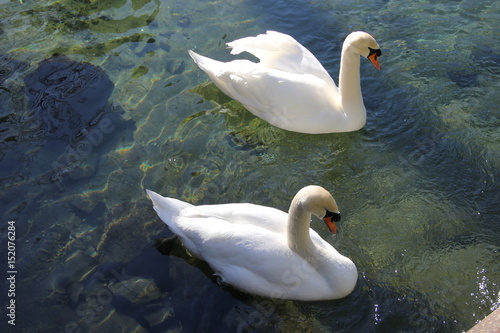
{"points": [[58, 124], [55, 124]]}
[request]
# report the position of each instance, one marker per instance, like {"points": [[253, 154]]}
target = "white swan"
{"points": [[289, 87], [263, 250]]}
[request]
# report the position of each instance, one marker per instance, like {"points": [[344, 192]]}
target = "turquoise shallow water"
{"points": [[99, 101]]}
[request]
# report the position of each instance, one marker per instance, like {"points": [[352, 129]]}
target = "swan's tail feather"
{"points": [[218, 72], [167, 208], [209, 66]]}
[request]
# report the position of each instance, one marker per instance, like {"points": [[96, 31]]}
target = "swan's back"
{"points": [[197, 224]]}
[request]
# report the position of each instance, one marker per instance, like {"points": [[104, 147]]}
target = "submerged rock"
{"points": [[137, 290], [160, 316]]}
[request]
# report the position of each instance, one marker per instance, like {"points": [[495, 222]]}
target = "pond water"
{"points": [[99, 101]]}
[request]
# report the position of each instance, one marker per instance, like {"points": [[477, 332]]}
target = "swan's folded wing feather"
{"points": [[218, 240], [274, 50], [279, 51], [250, 257], [269, 218], [271, 41], [283, 99]]}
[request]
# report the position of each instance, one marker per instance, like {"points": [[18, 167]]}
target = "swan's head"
{"points": [[319, 202], [365, 45]]}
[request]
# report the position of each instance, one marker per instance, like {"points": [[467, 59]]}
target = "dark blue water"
{"points": [[99, 101]]}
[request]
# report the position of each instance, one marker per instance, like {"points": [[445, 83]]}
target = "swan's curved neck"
{"points": [[299, 239], [350, 86]]}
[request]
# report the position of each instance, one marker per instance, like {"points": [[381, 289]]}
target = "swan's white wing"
{"points": [[199, 225], [279, 51], [269, 218], [297, 102]]}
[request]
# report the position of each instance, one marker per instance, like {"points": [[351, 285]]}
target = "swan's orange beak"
{"points": [[373, 59], [330, 223], [330, 219]]}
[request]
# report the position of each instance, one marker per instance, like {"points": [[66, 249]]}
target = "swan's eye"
{"points": [[375, 52], [334, 216]]}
